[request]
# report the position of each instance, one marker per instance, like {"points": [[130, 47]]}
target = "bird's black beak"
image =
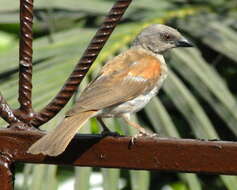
{"points": [[183, 42]]}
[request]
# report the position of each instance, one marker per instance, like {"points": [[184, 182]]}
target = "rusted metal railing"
{"points": [[94, 150], [163, 154]]}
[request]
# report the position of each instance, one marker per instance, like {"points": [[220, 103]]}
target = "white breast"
{"points": [[139, 102]]}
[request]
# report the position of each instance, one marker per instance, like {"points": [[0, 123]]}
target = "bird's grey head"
{"points": [[159, 38]]}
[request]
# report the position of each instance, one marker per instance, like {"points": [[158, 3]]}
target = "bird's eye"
{"points": [[167, 36]]}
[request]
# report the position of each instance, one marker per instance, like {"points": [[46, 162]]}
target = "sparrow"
{"points": [[124, 86]]}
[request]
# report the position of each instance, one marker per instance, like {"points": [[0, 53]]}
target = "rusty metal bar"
{"points": [[84, 64], [162, 154], [6, 176], [25, 112], [6, 112]]}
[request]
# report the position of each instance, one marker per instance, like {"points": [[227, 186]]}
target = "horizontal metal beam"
{"points": [[162, 154]]}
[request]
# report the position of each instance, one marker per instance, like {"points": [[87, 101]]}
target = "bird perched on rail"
{"points": [[124, 86]]}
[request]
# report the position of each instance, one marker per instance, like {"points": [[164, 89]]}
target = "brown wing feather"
{"points": [[122, 79]]}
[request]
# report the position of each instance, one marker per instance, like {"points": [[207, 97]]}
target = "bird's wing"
{"points": [[123, 78]]}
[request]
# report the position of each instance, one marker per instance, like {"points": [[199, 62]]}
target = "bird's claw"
{"points": [[143, 134]]}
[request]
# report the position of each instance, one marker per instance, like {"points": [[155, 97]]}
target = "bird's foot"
{"points": [[143, 133]]}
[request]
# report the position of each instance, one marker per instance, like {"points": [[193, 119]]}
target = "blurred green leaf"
{"points": [[66, 29], [208, 83], [189, 107], [179, 186]]}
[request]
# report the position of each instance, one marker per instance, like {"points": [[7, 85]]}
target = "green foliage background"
{"points": [[198, 99]]}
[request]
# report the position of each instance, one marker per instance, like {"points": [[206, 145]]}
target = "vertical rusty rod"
{"points": [[6, 176], [25, 60], [6, 112], [84, 64]]}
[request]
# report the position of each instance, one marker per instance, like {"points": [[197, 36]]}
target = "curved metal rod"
{"points": [[25, 112], [84, 64], [6, 112]]}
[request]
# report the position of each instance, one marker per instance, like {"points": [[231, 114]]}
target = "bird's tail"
{"points": [[56, 141]]}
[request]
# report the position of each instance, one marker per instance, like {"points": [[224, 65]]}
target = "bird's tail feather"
{"points": [[56, 141]]}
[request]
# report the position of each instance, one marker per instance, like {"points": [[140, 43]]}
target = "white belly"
{"points": [[135, 104]]}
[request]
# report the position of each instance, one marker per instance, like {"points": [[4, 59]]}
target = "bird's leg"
{"points": [[142, 131], [105, 130], [104, 127]]}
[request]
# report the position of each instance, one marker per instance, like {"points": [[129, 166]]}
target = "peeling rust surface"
{"points": [[84, 64], [161, 154], [25, 112]]}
